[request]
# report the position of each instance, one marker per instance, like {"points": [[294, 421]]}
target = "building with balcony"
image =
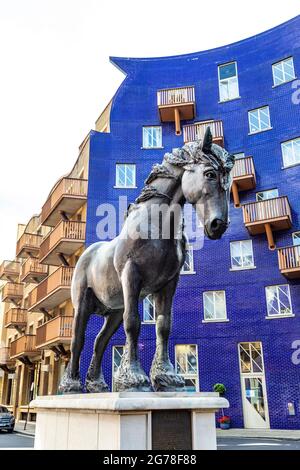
{"points": [[236, 310]]}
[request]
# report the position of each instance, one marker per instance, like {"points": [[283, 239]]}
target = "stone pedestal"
{"points": [[128, 421]]}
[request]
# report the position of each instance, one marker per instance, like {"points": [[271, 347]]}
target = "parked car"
{"points": [[7, 420]]}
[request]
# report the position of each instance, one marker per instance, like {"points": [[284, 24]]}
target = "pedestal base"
{"points": [[128, 421]]}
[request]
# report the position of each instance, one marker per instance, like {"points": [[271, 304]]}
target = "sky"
{"points": [[56, 77]]}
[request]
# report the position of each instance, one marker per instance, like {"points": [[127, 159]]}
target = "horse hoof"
{"points": [[96, 386], [69, 385], [167, 382], [132, 382]]}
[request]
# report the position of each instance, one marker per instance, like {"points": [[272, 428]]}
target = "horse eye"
{"points": [[211, 175]]}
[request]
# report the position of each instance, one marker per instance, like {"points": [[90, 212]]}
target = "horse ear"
{"points": [[207, 141]]}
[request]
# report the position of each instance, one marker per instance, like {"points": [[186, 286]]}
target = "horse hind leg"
{"points": [[70, 382], [95, 382]]}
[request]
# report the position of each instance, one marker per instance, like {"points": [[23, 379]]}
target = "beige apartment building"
{"points": [[36, 313]]}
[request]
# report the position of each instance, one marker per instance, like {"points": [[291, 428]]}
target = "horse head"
{"points": [[206, 182]]}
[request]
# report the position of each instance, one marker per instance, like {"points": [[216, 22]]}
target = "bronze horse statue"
{"points": [[111, 277]]}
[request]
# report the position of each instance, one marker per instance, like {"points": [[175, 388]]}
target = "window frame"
{"points": [[242, 268], [281, 62], [293, 237], [260, 130], [282, 154], [152, 147], [214, 320], [265, 191], [149, 322], [221, 80], [189, 249], [189, 376], [117, 186], [279, 315], [114, 346]]}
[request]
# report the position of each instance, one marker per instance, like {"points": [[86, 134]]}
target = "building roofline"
{"points": [[123, 63]]}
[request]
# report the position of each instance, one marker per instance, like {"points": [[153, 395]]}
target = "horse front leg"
{"points": [[162, 374], [130, 376]]}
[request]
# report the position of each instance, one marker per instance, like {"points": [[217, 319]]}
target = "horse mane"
{"points": [[191, 153]]}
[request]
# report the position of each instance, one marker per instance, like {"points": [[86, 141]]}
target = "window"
{"points": [[259, 120], [117, 354], [283, 71], [149, 314], [241, 254], [187, 365], [188, 266], [152, 137], [269, 194], [251, 359], [228, 81], [291, 152], [214, 306], [125, 175], [296, 238], [239, 155], [278, 300]]}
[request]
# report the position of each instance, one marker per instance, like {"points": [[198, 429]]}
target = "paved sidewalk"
{"points": [[29, 431], [260, 433]]}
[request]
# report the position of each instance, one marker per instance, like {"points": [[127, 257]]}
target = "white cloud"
{"points": [[55, 76]]}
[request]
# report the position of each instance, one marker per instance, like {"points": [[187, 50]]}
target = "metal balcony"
{"points": [[65, 239], [194, 132], [13, 292], [15, 318], [244, 178], [32, 271], [9, 270], [55, 332], [176, 105], [289, 261], [267, 217], [6, 363], [67, 196], [28, 245], [52, 291], [23, 347]]}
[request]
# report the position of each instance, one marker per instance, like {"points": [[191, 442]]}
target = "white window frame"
{"points": [[112, 363], [294, 236], [189, 249], [281, 62], [214, 319], [160, 138], [236, 77], [266, 191], [279, 315], [283, 145], [152, 302], [259, 120], [241, 268], [239, 155], [134, 175], [189, 376]]}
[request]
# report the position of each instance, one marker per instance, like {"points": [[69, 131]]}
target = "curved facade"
{"points": [[251, 345]]}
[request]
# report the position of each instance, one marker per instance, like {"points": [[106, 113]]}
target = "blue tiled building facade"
{"points": [[251, 345]]}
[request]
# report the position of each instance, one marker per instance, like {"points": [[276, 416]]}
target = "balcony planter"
{"points": [[224, 422]]}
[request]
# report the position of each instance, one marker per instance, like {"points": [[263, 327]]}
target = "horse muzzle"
{"points": [[215, 229]]}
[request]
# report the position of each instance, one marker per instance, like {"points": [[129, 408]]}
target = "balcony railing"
{"points": [[67, 196], [28, 245], [289, 261], [244, 178], [5, 360], [194, 132], [9, 270], [66, 238], [56, 331], [15, 318], [268, 216], [23, 346], [13, 292], [176, 104], [32, 271], [52, 291]]}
